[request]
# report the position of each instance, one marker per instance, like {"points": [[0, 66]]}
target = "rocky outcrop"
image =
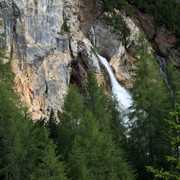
{"points": [[43, 37], [109, 45], [164, 42], [50, 44], [40, 53]]}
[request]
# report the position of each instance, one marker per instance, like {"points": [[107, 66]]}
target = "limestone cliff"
{"points": [[52, 44]]}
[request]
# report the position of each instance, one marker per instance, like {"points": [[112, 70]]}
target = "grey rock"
{"points": [[103, 39], [62, 43], [176, 55], [32, 31]]}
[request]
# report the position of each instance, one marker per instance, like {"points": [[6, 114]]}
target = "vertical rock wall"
{"points": [[40, 52], [48, 43]]}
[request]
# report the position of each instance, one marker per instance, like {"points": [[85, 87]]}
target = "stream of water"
{"points": [[162, 65], [120, 93]]}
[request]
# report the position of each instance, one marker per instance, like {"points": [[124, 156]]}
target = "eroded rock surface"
{"points": [[162, 38], [51, 47], [109, 45], [44, 39], [40, 52]]}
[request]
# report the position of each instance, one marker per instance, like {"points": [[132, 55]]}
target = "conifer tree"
{"points": [[98, 103], [89, 150], [13, 131], [26, 151], [105, 110], [173, 135], [150, 107], [71, 116], [42, 154], [95, 156]]}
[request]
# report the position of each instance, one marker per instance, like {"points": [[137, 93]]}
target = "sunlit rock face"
{"points": [[40, 52], [51, 45], [43, 37]]}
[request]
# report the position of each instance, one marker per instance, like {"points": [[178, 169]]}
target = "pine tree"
{"points": [[105, 110], [118, 130], [71, 116], [12, 129], [26, 151], [173, 136], [174, 83], [89, 150], [78, 156], [52, 126], [42, 154], [151, 104], [98, 103], [95, 156]]}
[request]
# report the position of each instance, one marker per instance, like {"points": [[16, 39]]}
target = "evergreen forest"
{"points": [[90, 141]]}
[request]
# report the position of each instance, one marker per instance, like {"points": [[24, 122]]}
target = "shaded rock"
{"points": [[160, 36], [146, 23], [109, 46], [164, 40], [176, 55], [103, 39], [51, 49]]}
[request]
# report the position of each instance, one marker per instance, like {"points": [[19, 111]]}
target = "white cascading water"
{"points": [[123, 97]]}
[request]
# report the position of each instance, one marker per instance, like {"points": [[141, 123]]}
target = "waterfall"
{"points": [[123, 97], [162, 64]]}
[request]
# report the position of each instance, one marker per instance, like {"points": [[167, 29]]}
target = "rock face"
{"points": [[40, 53], [110, 47], [163, 39], [47, 39]]}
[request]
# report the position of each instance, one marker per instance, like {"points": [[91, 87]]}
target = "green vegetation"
{"points": [[26, 151], [165, 11], [119, 26], [174, 138], [25, 148], [115, 20], [109, 6], [90, 141], [172, 73], [85, 140], [147, 145]]}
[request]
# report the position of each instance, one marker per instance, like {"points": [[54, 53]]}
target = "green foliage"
{"points": [[119, 26], [12, 146], [52, 125], [42, 154], [109, 6], [115, 20], [84, 137], [150, 107], [94, 152], [172, 73], [174, 160], [98, 102], [2, 51], [105, 110], [26, 151], [73, 111]]}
